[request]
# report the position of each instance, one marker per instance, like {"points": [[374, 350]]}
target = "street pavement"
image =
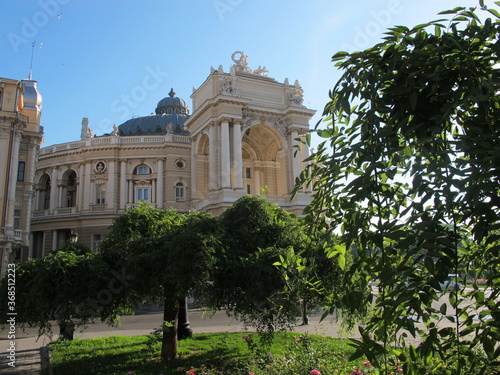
{"points": [[31, 353]]}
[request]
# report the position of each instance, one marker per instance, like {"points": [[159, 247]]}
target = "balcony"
{"points": [[18, 234]]}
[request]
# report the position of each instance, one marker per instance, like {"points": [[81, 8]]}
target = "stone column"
{"points": [[53, 190], [194, 168], [54, 240], [305, 154], [131, 191], [61, 192], [159, 184], [212, 172], [31, 243], [296, 162], [110, 187], [225, 155], [123, 184], [79, 191], [87, 193], [11, 195], [31, 181], [237, 157], [153, 191]]}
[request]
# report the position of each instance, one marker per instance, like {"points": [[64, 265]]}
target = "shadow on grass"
{"points": [[111, 356]]}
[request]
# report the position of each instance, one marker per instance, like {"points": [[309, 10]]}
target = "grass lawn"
{"points": [[211, 353]]}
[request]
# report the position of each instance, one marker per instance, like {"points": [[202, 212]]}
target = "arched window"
{"points": [[179, 192], [44, 193], [70, 190], [142, 169]]}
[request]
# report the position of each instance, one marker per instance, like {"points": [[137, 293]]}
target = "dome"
{"points": [[154, 125], [172, 105], [171, 113]]}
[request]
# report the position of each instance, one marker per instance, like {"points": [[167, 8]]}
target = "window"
{"points": [[181, 164], [20, 171], [96, 242], [142, 169], [143, 194], [17, 219], [100, 194], [179, 192], [248, 173], [248, 189]]}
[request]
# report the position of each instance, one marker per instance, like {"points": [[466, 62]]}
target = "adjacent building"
{"points": [[241, 137], [20, 138]]}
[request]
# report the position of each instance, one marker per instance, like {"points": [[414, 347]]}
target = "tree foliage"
{"points": [[164, 255], [255, 234], [63, 286], [409, 175]]}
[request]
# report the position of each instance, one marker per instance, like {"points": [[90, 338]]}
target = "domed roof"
{"points": [[171, 113], [154, 125], [172, 105]]}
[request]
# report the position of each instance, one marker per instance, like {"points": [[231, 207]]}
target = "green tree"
{"points": [[255, 234], [164, 254], [62, 286], [409, 175]]}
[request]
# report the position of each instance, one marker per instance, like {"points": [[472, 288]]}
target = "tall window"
{"points": [[17, 219], [142, 194], [179, 192], [96, 242], [21, 168], [100, 193]]}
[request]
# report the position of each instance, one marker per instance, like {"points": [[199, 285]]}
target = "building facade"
{"points": [[241, 138], [20, 138]]}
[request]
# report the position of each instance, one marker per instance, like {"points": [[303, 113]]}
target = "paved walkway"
{"points": [[31, 352]]}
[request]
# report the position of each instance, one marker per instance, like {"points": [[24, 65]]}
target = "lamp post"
{"points": [[73, 237]]}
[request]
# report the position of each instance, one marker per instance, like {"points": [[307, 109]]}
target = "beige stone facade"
{"points": [[20, 139], [240, 139]]}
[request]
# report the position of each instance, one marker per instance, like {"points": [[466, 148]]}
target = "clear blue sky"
{"points": [[109, 60]]}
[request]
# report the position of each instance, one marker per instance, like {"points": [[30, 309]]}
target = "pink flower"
{"points": [[315, 372], [356, 372], [250, 373], [130, 373]]}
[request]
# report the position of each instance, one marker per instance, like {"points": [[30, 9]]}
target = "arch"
{"points": [[264, 162], [69, 188], [136, 169], [44, 186]]}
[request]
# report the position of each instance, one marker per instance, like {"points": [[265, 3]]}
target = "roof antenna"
{"points": [[32, 54]]}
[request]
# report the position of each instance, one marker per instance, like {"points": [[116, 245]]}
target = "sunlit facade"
{"points": [[240, 138], [20, 138]]}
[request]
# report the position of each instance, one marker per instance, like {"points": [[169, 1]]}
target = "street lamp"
{"points": [[73, 237]]}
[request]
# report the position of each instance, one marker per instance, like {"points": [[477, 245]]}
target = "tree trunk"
{"points": [[66, 330], [170, 321]]}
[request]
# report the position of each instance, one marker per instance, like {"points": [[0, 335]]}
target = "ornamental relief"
{"points": [[277, 122]]}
